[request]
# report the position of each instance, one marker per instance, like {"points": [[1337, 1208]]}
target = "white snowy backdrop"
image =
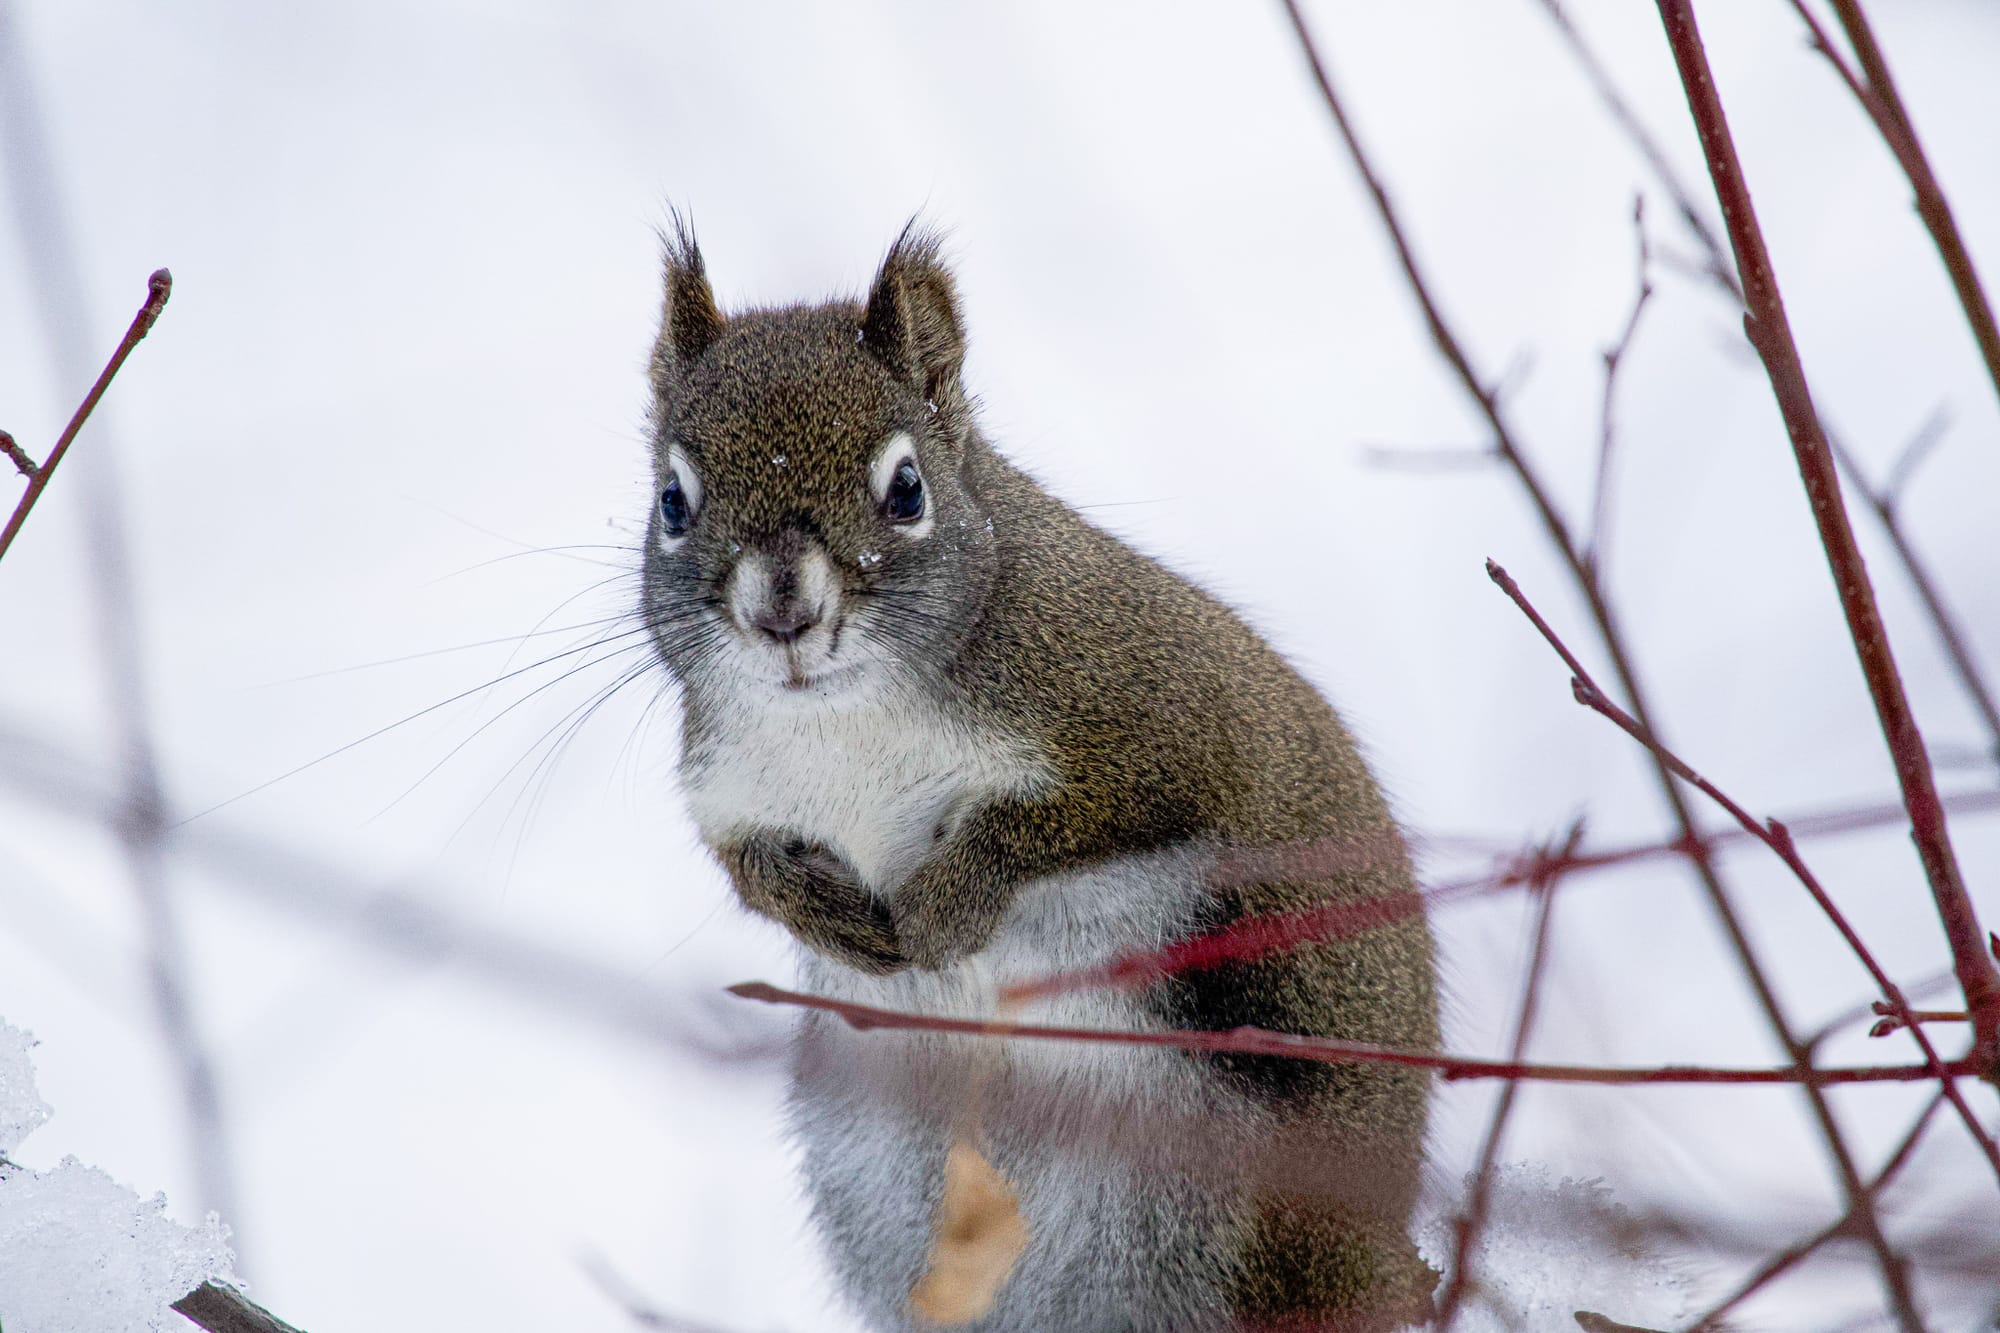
{"points": [[394, 406]]}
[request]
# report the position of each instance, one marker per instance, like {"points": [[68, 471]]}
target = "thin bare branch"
{"points": [[158, 288], [1332, 1050]]}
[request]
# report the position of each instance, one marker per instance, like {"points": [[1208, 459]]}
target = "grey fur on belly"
{"points": [[1117, 1154]]}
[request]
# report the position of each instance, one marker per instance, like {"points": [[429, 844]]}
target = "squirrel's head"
{"points": [[811, 527]]}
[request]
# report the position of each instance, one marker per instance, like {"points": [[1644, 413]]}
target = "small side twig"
{"points": [[158, 287], [23, 464], [1607, 428], [1890, 1019]]}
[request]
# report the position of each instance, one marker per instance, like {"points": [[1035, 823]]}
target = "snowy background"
{"points": [[458, 982]]}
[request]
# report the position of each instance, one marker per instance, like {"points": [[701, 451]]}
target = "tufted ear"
{"points": [[912, 322], [689, 321]]}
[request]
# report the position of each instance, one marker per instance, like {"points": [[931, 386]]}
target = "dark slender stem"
{"points": [[1770, 334], [158, 288], [1479, 1201]]}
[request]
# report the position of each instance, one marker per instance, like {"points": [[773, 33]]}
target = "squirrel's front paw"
{"points": [[940, 918], [812, 892]]}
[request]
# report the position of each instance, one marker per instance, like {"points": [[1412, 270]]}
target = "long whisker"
{"points": [[563, 551], [401, 722], [442, 652], [542, 778], [482, 728]]}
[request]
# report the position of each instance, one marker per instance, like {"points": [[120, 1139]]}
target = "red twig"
{"points": [[1259, 936], [158, 287], [1473, 1220], [1332, 1050], [1875, 89], [1771, 833], [1892, 1019], [1770, 334]]}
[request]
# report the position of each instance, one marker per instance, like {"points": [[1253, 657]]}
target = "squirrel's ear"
{"points": [[689, 321], [912, 321]]}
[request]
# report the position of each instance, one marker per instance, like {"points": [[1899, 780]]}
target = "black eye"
{"points": [[905, 501], [674, 515]]}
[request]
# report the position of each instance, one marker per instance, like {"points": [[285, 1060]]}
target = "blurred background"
{"points": [[456, 979]]}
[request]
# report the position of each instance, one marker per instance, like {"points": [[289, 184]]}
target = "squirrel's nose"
{"points": [[785, 624]]}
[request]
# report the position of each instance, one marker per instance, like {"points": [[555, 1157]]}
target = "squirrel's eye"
{"points": [[674, 512], [905, 501]]}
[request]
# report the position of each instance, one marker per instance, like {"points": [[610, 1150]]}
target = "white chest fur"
{"points": [[872, 774]]}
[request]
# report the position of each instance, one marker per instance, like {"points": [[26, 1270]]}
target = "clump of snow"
{"points": [[21, 1107], [1549, 1250], [78, 1250]]}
